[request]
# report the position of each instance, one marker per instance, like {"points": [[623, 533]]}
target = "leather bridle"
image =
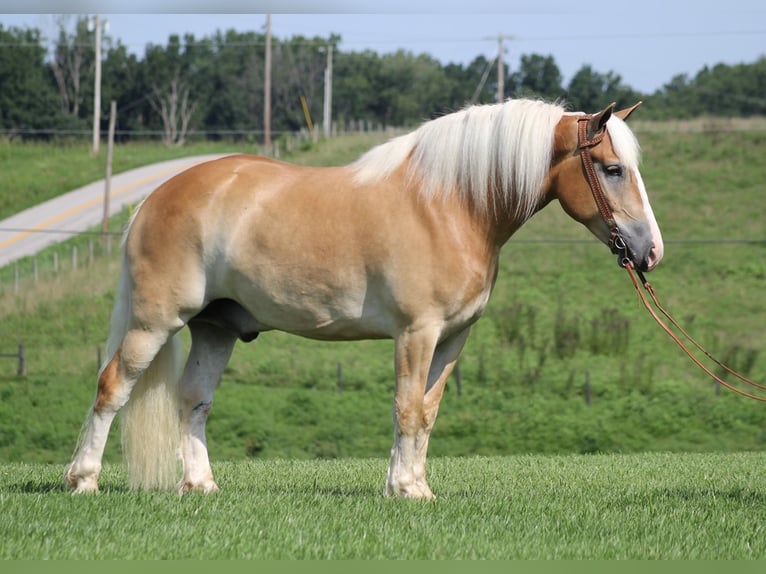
{"points": [[619, 247], [616, 241]]}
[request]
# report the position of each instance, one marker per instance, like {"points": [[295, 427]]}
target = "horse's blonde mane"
{"points": [[495, 156]]}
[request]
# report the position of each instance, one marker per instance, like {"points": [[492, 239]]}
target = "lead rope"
{"points": [[649, 289], [618, 246]]}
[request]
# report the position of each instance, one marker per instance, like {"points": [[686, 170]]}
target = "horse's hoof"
{"points": [[414, 491], [207, 487], [80, 484]]}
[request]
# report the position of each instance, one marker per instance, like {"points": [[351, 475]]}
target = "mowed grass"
{"points": [[657, 506]]}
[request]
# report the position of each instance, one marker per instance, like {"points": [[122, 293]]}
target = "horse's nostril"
{"points": [[653, 257]]}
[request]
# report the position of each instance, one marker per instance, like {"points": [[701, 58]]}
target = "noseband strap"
{"points": [[616, 241]]}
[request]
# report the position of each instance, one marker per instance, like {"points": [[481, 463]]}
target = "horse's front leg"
{"points": [[422, 369], [444, 359]]}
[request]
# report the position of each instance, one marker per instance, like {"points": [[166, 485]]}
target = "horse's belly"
{"points": [[316, 309], [323, 323], [355, 310]]}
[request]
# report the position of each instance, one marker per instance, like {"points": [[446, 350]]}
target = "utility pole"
{"points": [[500, 73], [108, 180], [327, 117], [500, 65], [97, 90], [267, 89]]}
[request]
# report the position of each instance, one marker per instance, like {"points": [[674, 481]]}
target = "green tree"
{"points": [[297, 70], [538, 76], [356, 75], [411, 89], [738, 90], [469, 84], [120, 81], [73, 66], [27, 95], [677, 100], [589, 91], [236, 82], [172, 82]]}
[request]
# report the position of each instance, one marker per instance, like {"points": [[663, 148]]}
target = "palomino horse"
{"points": [[401, 244]]}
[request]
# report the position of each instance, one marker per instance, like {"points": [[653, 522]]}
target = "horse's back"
{"points": [[207, 195]]}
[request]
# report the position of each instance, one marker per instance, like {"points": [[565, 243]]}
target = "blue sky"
{"points": [[646, 44]]}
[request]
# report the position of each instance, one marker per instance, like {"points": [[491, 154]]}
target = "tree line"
{"points": [[214, 85]]}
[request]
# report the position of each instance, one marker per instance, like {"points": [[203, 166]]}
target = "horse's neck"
{"points": [[505, 225]]}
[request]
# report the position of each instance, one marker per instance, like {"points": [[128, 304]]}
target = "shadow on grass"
{"points": [[699, 494], [54, 487]]}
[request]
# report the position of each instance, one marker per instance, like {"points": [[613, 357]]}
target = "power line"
{"points": [[209, 40]]}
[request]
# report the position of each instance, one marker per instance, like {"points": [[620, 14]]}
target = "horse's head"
{"points": [[604, 141]]}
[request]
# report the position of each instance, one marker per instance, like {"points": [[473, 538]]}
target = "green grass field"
{"points": [[657, 464], [658, 506]]}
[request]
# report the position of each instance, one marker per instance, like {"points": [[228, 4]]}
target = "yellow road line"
{"points": [[87, 204]]}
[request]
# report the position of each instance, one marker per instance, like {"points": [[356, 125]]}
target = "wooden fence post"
{"points": [[22, 362]]}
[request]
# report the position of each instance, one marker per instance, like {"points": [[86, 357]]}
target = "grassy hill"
{"points": [[563, 325]]}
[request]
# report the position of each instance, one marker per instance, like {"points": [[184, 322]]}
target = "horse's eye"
{"points": [[613, 170]]}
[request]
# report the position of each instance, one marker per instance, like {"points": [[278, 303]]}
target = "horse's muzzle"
{"points": [[638, 247]]}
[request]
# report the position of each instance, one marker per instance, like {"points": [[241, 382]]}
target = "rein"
{"points": [[619, 246]]}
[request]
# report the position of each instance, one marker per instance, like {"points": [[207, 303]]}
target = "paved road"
{"points": [[28, 232]]}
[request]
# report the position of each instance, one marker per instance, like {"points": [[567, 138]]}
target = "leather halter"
{"points": [[619, 247], [616, 241]]}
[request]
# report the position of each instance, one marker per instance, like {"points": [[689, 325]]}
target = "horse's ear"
{"points": [[625, 114], [597, 122]]}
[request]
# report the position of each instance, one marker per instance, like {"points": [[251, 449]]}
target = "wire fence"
{"points": [[19, 276], [94, 245]]}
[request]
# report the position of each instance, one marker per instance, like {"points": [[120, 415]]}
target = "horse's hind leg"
{"points": [[116, 380], [210, 351]]}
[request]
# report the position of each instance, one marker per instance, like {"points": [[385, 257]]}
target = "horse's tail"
{"points": [[150, 420]]}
